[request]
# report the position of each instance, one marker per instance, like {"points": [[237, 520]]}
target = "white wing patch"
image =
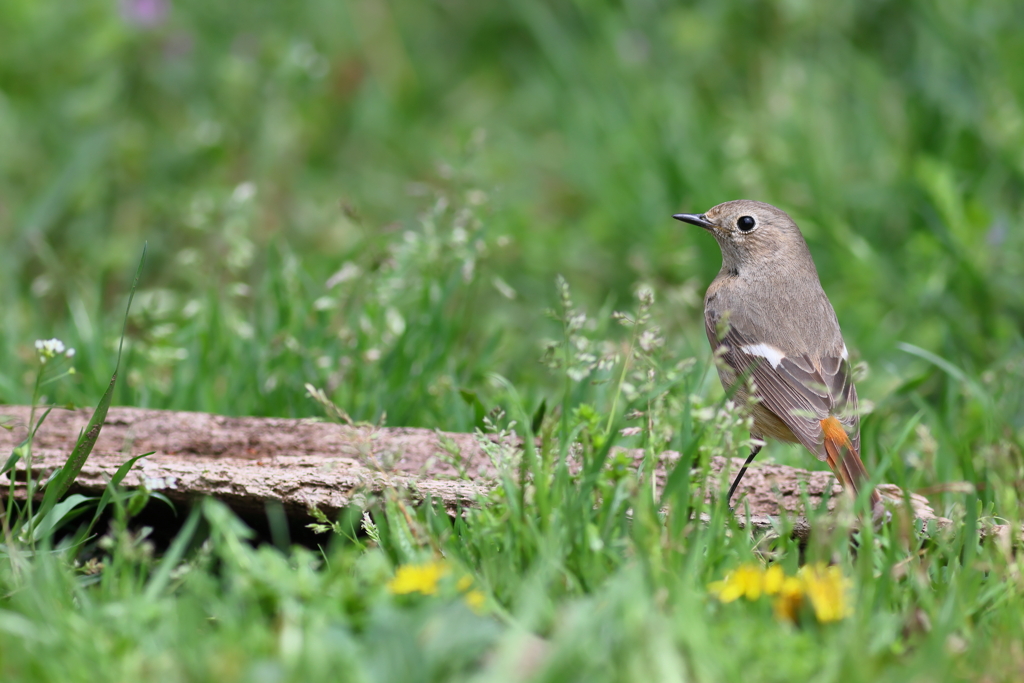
{"points": [[769, 353], [845, 355]]}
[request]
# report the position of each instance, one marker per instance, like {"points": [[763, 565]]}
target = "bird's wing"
{"points": [[799, 391]]}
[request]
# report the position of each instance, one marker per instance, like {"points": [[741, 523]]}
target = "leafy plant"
{"points": [[33, 526]]}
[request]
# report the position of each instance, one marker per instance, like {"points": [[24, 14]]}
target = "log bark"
{"points": [[304, 464]]}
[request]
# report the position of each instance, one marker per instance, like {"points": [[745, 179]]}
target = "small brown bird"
{"points": [[768, 317]]}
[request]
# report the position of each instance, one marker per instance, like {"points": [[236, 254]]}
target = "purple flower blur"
{"points": [[144, 13]]}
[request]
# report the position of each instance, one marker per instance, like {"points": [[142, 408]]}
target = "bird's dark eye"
{"points": [[746, 223]]}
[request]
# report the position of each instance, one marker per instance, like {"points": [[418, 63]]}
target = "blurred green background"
{"points": [[375, 197]]}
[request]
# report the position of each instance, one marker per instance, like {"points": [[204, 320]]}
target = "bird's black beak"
{"points": [[697, 219]]}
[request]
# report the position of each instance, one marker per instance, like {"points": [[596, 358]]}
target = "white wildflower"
{"points": [[51, 348]]}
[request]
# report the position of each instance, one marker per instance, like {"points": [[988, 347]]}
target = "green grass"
{"points": [[377, 198]]}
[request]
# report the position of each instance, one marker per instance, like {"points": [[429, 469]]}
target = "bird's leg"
{"points": [[743, 470]]}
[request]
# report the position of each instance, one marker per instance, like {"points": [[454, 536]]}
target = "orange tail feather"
{"points": [[844, 461]]}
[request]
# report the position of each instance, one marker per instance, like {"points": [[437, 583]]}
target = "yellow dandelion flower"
{"points": [[788, 600], [823, 587], [464, 583], [746, 581], [774, 577], [475, 600], [418, 578], [827, 588]]}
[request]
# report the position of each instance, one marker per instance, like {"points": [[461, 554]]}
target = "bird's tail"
{"points": [[844, 460]]}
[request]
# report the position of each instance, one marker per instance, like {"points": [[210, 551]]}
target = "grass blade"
{"points": [[162, 575], [63, 479], [109, 492]]}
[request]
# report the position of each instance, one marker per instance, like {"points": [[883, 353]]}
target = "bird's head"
{"points": [[750, 232]]}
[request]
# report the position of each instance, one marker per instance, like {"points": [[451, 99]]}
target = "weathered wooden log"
{"points": [[304, 464]]}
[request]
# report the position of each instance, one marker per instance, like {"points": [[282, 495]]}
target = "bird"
{"points": [[768, 318]]}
